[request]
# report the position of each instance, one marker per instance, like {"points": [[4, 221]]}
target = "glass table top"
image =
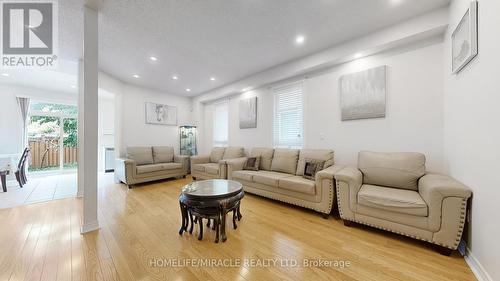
{"points": [[212, 188]]}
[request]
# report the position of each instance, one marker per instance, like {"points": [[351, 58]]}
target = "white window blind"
{"points": [[220, 126], [288, 116]]}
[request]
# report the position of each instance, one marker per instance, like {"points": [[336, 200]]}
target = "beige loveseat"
{"points": [[392, 191], [144, 164], [280, 177], [213, 166]]}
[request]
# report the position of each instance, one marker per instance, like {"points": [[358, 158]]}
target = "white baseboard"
{"points": [[89, 227], [79, 194], [476, 266]]}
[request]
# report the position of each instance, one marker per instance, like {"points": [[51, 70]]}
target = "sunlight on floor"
{"points": [[39, 189]]}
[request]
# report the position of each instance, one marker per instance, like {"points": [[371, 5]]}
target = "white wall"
{"points": [[414, 120], [471, 131], [106, 128], [135, 131]]}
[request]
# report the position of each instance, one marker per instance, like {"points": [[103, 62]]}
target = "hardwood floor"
{"points": [[140, 226]]}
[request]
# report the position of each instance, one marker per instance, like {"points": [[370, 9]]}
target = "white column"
{"points": [[90, 117], [81, 111]]}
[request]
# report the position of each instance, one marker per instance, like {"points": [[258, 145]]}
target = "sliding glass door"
{"points": [[52, 137]]}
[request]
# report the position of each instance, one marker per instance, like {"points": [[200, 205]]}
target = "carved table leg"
{"points": [[239, 213], [223, 225], [183, 219], [200, 234], [192, 223], [234, 219], [217, 228]]}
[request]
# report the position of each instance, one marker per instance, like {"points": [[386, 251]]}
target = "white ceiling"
{"points": [[225, 39]]}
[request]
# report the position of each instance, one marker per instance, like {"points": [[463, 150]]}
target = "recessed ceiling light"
{"points": [[358, 55], [175, 77], [245, 89], [5, 74], [188, 90], [153, 58], [73, 86], [212, 78], [395, 2], [300, 39], [136, 76]]}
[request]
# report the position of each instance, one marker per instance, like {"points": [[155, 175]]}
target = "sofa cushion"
{"points": [[141, 155], [163, 154], [244, 175], [143, 169], [269, 178], [392, 199], [198, 167], [316, 154], [266, 157], [216, 154], [399, 170], [285, 160], [233, 152], [212, 168], [298, 184]]}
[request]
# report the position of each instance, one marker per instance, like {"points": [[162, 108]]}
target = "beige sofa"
{"points": [[392, 191], [144, 164], [280, 177], [213, 166]]}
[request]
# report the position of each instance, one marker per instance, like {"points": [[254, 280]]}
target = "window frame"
{"points": [[217, 143], [276, 128]]}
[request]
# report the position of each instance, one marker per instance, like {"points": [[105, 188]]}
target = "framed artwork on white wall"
{"points": [[161, 114], [248, 113], [362, 94], [464, 42]]}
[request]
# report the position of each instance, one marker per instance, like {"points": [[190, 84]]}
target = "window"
{"points": [[288, 116], [221, 120]]}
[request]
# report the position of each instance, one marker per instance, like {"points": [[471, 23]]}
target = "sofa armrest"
{"points": [[349, 181], [328, 173], [434, 187], [200, 159], [184, 160], [446, 200], [352, 176], [235, 164], [124, 169]]}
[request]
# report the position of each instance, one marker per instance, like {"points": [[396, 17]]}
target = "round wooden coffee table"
{"points": [[211, 200]]}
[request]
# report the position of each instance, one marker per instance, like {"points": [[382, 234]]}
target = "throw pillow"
{"points": [[252, 163], [311, 167]]}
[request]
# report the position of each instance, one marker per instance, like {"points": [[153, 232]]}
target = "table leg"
{"points": [[239, 213], [200, 234], [183, 219], [4, 182], [192, 223], [234, 219], [217, 228], [223, 225]]}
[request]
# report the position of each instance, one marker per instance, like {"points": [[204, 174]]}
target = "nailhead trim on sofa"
{"points": [[454, 247]]}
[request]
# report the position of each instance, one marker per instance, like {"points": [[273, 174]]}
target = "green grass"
{"points": [[69, 166]]}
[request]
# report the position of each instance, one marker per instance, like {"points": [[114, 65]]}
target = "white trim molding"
{"points": [[476, 266], [89, 227]]}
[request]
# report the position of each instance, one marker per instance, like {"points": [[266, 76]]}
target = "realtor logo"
{"points": [[29, 34]]}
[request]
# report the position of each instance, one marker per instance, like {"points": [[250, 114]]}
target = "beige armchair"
{"points": [[213, 166], [393, 192]]}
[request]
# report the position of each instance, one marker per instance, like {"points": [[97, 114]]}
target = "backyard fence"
{"points": [[45, 153]]}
